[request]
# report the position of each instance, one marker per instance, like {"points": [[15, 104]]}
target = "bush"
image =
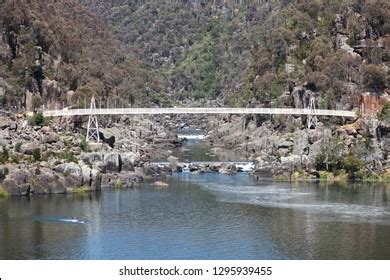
{"points": [[84, 145], [118, 184], [352, 164], [3, 192], [384, 115], [374, 77], [320, 161], [4, 155], [37, 102], [37, 119], [68, 156], [17, 147], [37, 154]]}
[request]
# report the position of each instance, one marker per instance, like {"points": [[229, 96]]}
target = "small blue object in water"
{"points": [[59, 220]]}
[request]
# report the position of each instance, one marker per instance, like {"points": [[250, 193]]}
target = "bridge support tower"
{"points": [[93, 126], [312, 118]]}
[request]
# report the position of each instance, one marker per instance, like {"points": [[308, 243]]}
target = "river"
{"points": [[202, 216]]}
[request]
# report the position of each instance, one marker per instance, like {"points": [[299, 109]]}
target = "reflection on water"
{"points": [[221, 217], [357, 201]]}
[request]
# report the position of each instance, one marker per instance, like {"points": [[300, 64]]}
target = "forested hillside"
{"points": [[246, 52], [57, 52], [239, 52]]}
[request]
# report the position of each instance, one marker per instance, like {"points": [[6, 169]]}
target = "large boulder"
{"points": [[121, 180], [18, 182], [129, 160], [48, 182], [113, 162], [77, 175], [92, 158], [91, 177], [51, 93], [301, 142], [50, 138], [72, 172], [29, 148]]}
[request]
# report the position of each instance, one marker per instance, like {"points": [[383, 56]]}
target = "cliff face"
{"points": [[56, 52], [258, 51]]}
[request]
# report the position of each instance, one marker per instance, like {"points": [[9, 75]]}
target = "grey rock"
{"points": [[48, 182], [228, 169], [91, 158], [113, 162], [129, 160], [18, 182], [301, 142], [28, 148], [50, 138], [71, 170]]}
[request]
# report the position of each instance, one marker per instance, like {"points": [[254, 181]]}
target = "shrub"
{"points": [[4, 155], [352, 164], [83, 189], [118, 184], [69, 156], [37, 102], [84, 145], [320, 161], [17, 147], [374, 77], [37, 154], [384, 115], [3, 192], [37, 119]]}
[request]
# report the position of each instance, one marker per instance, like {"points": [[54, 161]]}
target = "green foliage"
{"points": [[118, 184], [162, 100], [374, 77], [4, 155], [337, 158], [199, 68], [17, 147], [68, 155], [84, 145], [321, 161], [37, 120], [3, 192], [352, 164], [81, 190], [37, 154], [384, 115], [236, 51], [37, 102]]}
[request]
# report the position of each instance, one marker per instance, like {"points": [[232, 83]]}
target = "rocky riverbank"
{"points": [[286, 149], [52, 156]]}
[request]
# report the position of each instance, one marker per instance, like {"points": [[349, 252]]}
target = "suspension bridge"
{"points": [[93, 112]]}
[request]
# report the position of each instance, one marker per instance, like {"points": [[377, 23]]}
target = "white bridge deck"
{"points": [[218, 110]]}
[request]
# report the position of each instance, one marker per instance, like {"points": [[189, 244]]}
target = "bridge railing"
{"points": [[204, 110]]}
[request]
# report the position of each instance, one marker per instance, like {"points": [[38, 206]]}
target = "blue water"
{"points": [[208, 216]]}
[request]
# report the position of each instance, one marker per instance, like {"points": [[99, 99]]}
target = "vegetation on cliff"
{"points": [[62, 41], [242, 51]]}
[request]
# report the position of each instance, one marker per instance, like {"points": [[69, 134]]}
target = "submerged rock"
{"points": [[160, 184]]}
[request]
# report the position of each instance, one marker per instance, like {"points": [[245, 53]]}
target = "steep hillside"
{"points": [[259, 51], [57, 52]]}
